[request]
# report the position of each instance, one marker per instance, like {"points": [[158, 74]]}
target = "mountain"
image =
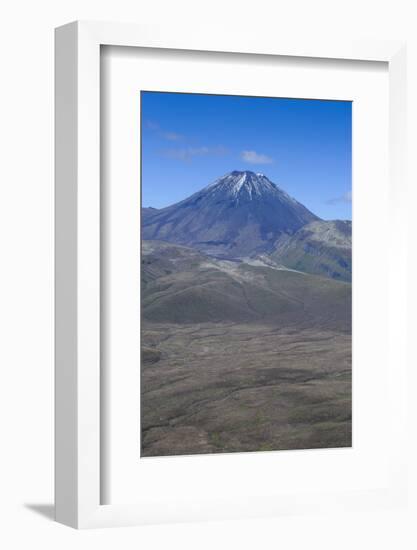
{"points": [[320, 247], [237, 215], [148, 211], [183, 286]]}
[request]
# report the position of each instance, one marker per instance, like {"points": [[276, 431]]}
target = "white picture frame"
{"points": [[78, 405]]}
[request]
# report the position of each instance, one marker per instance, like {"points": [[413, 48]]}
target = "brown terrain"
{"points": [[241, 356]]}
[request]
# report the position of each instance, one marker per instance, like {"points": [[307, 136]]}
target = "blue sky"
{"points": [[304, 146]]}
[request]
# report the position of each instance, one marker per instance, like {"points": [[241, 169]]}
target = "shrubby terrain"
{"points": [[246, 323]]}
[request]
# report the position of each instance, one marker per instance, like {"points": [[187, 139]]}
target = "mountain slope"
{"points": [[148, 211], [320, 247], [237, 215], [181, 285]]}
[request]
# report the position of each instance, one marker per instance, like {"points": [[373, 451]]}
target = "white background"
{"points": [[26, 302]]}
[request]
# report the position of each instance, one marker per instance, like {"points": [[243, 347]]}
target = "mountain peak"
{"points": [[238, 214], [242, 185], [244, 173], [247, 174]]}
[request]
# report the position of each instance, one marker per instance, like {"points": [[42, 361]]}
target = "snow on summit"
{"points": [[247, 183]]}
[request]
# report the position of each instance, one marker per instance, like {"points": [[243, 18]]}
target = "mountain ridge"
{"points": [[320, 248]]}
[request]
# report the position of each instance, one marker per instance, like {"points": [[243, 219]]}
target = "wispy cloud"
{"points": [[255, 158], [152, 125], [186, 154], [346, 198], [164, 134], [172, 136]]}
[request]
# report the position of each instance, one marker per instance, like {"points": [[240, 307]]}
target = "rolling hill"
{"points": [[181, 285]]}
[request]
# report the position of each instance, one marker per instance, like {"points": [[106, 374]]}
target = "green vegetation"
{"points": [[320, 247]]}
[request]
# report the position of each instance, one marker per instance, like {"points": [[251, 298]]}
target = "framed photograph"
{"points": [[246, 294], [229, 333]]}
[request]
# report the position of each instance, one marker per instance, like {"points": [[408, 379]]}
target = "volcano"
{"points": [[240, 214]]}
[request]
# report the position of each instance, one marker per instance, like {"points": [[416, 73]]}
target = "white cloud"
{"points": [[172, 136], [186, 154], [345, 198], [152, 125], [255, 158], [165, 134]]}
